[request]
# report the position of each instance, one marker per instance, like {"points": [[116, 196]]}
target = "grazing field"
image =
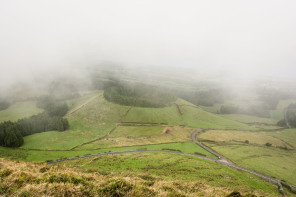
{"points": [[249, 119], [277, 159], [92, 117], [19, 110], [197, 118], [175, 167], [254, 138], [212, 109], [98, 116], [100, 126], [167, 115], [141, 135], [189, 115], [185, 147], [92, 120], [53, 140], [43, 155]]}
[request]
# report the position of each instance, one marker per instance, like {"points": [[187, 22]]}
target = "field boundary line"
{"points": [[97, 139]]}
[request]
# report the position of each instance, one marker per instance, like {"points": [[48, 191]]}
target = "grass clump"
{"points": [[147, 177], [5, 173], [24, 178], [65, 178], [116, 188]]}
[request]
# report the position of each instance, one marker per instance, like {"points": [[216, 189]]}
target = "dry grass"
{"points": [[132, 136], [255, 138], [36, 179]]}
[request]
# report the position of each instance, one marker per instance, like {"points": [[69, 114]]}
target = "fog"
{"points": [[40, 40]]}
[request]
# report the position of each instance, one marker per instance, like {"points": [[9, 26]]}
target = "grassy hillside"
{"points": [[19, 110], [92, 117], [278, 160], [167, 115], [98, 116], [260, 123], [188, 115], [99, 126], [33, 179], [196, 117], [170, 167], [56, 139]]}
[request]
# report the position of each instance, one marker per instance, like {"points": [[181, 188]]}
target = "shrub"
{"points": [[65, 178], [43, 169], [197, 153], [268, 144], [281, 123], [171, 149], [234, 194]]}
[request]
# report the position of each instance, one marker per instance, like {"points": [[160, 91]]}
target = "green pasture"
{"points": [[98, 116], [141, 135], [56, 140], [19, 110], [257, 138], [278, 160], [249, 119], [167, 115], [173, 167], [197, 118], [43, 155]]}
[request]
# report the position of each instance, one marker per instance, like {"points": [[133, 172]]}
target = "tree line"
{"points": [[12, 133], [290, 116], [253, 110], [4, 104], [142, 96]]}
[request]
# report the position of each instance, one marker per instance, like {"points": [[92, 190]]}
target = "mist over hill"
{"points": [[147, 98]]}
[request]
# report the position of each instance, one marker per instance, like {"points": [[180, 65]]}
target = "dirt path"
{"points": [[83, 104], [220, 157]]}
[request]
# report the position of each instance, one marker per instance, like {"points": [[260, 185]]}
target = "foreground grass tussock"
{"points": [[35, 179]]}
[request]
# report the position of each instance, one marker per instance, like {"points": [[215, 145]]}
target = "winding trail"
{"points": [[221, 160], [220, 157]]}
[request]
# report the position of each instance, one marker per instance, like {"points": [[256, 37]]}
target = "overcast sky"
{"points": [[237, 36]]}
